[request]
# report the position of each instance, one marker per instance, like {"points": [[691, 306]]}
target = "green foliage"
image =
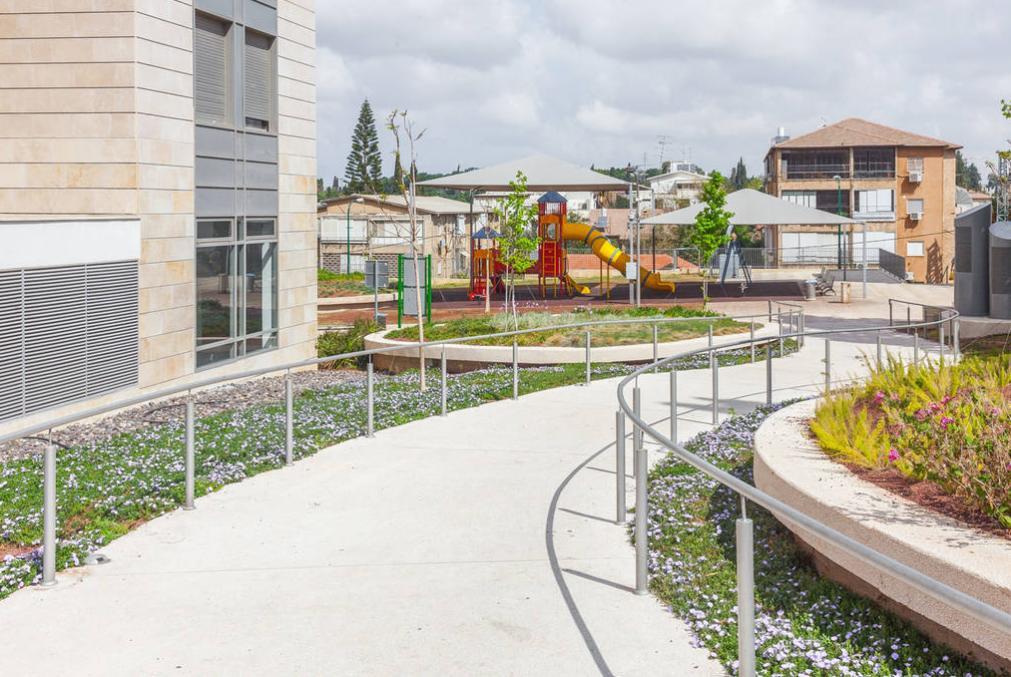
{"points": [[516, 245], [945, 424], [712, 221], [738, 176], [364, 171], [967, 173], [337, 342], [324, 275]]}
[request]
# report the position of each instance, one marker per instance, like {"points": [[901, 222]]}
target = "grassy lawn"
{"points": [[805, 625], [697, 324], [333, 285]]}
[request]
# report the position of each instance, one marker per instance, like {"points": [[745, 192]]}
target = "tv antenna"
{"points": [[661, 141]]}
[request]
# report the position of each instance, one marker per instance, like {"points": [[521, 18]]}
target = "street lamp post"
{"points": [[838, 211], [358, 200]]}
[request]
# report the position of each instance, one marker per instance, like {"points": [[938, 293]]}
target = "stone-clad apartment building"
{"points": [[157, 195]]}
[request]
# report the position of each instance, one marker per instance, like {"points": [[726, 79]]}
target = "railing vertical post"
{"points": [[891, 321], [909, 316], [189, 457], [619, 465], [656, 347], [714, 365], [779, 323], [752, 341], [516, 369], [770, 310], [445, 384], [878, 340], [803, 328], [370, 387], [828, 365], [768, 373], [588, 353], [956, 341], [710, 334], [49, 516], [674, 405], [916, 346], [745, 595], [940, 336], [289, 420], [641, 500]]}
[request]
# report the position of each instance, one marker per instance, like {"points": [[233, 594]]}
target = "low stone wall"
{"points": [[461, 357], [791, 466]]}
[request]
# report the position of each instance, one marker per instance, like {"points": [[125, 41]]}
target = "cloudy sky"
{"points": [[601, 81]]}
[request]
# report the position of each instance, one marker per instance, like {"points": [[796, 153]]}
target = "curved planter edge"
{"points": [[790, 466]]}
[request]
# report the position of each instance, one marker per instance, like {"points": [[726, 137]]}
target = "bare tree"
{"points": [[402, 126]]}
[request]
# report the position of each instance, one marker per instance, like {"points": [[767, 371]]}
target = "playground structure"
{"points": [[552, 267]]}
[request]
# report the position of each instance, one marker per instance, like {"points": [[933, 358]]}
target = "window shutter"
{"points": [[210, 70], [259, 81], [112, 342], [12, 391]]}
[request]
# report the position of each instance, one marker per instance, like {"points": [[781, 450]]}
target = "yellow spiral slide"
{"points": [[611, 255]]}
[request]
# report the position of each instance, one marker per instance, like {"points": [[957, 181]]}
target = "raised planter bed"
{"points": [[790, 465], [462, 357]]}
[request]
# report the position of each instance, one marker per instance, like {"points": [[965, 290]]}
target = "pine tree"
{"points": [[364, 170], [739, 176]]}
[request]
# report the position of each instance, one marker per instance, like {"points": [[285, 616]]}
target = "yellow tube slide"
{"points": [[611, 255]]}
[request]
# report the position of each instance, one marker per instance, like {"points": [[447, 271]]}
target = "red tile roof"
{"points": [[858, 132]]}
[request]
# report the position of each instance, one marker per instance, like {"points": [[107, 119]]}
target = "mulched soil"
{"points": [[931, 496], [228, 397]]}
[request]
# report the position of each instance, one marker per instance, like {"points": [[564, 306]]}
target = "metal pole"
{"points": [[641, 503], [445, 409], [768, 373], [779, 323], [49, 516], [880, 363], [828, 365], [803, 329], [940, 336], [189, 460], [916, 346], [516, 369], [710, 333], [637, 435], [891, 321], [956, 341], [714, 365], [656, 347], [770, 310], [752, 341], [674, 405], [864, 284], [908, 316], [587, 357], [370, 387], [745, 595], [289, 420], [619, 465]]}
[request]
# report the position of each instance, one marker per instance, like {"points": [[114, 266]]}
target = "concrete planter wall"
{"points": [[461, 358], [791, 466]]}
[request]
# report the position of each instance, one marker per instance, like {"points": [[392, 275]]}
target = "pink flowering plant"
{"points": [[948, 425]]}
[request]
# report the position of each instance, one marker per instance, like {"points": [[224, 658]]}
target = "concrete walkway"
{"points": [[479, 543]]}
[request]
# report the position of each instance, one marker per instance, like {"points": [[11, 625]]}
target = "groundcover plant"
{"points": [[805, 625]]}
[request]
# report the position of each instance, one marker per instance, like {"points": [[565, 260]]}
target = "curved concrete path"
{"points": [[479, 543]]}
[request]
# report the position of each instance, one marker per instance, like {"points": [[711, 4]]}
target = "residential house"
{"points": [[679, 186], [900, 184], [158, 163], [353, 228], [966, 199]]}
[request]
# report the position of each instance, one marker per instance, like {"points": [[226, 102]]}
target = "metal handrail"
{"points": [[996, 618]]}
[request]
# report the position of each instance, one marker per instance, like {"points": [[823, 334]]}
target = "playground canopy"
{"points": [[754, 208], [543, 173], [487, 233]]}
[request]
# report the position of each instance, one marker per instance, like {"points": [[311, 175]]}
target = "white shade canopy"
{"points": [[543, 173], [754, 208]]}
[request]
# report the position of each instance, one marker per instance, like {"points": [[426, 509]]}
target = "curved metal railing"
{"points": [[47, 425], [979, 610]]}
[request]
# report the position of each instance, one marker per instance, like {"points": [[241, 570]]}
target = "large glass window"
{"points": [[236, 288]]}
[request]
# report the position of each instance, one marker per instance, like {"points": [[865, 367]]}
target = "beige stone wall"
{"points": [[96, 119]]}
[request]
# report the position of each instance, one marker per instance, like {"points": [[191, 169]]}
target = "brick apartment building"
{"points": [[900, 184]]}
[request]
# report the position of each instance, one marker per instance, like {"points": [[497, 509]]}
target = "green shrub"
{"points": [[948, 425], [349, 341], [324, 275]]}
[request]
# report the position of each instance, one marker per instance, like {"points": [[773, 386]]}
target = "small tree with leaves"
{"points": [[516, 244], [364, 170], [711, 225]]}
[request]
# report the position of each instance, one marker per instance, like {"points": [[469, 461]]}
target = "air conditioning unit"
{"points": [[916, 176], [915, 216]]}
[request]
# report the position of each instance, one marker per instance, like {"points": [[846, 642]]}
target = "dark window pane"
{"points": [[264, 342], [216, 354], [261, 287], [215, 281], [213, 229], [259, 227]]}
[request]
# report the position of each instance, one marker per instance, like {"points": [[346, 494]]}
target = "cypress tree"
{"points": [[364, 169]]}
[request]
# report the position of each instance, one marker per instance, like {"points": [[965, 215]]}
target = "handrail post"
{"points": [[768, 373], [189, 457], [445, 372], [714, 365], [588, 353], [803, 329], [656, 347], [370, 387], [752, 340], [619, 466], [956, 341], [828, 365], [880, 364], [49, 516], [710, 333], [891, 321], [641, 500], [916, 346], [745, 594], [516, 369], [779, 323], [289, 420], [770, 310], [909, 316], [674, 405], [940, 336]]}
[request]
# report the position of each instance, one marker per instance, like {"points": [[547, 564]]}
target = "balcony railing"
{"points": [[816, 171], [874, 170]]}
